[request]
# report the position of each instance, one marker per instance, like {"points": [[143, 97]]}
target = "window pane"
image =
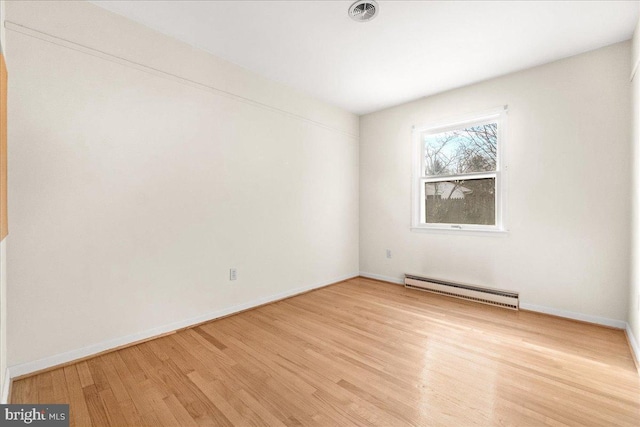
{"points": [[471, 149], [470, 201]]}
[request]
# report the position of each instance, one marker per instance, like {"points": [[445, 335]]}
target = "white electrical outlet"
{"points": [[233, 274], [388, 253]]}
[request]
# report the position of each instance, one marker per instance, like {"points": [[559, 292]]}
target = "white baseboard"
{"points": [[634, 345], [6, 386], [613, 323], [620, 324], [398, 281], [69, 356]]}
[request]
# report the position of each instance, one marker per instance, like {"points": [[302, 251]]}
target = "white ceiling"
{"points": [[410, 50]]}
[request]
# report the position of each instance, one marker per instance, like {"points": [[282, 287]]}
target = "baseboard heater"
{"points": [[495, 297]]}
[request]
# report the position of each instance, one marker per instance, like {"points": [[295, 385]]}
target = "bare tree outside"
{"points": [[458, 152]]}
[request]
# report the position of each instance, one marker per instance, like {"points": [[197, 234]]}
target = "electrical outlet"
{"points": [[388, 253], [233, 274]]}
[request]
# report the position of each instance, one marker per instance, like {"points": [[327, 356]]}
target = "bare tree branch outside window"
{"points": [[456, 152]]}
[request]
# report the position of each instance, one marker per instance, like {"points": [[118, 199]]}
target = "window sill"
{"points": [[462, 231]]}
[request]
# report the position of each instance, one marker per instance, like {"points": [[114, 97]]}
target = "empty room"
{"points": [[319, 213]]}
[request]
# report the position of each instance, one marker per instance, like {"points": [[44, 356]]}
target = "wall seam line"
{"points": [[41, 35]]}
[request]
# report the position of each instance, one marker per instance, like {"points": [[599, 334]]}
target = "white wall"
{"points": [[2, 29], [132, 192], [634, 290], [3, 255], [568, 153], [3, 317]]}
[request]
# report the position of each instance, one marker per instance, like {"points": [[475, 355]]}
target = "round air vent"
{"points": [[363, 10]]}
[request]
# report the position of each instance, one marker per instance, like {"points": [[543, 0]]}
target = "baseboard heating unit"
{"points": [[489, 296]]}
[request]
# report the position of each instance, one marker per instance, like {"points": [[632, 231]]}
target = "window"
{"points": [[458, 174]]}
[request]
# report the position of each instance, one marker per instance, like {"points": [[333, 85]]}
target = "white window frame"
{"points": [[497, 115]]}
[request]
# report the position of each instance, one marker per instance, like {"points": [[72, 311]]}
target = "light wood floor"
{"points": [[358, 353]]}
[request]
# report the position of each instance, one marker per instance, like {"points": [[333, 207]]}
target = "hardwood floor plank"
{"points": [[45, 388], [191, 398], [95, 406], [181, 415], [84, 374], [158, 413], [209, 338], [131, 367], [225, 407], [25, 390], [59, 383], [115, 413], [100, 379], [78, 411], [360, 352]]}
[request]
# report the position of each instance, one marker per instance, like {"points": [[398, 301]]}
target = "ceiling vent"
{"points": [[363, 10]]}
